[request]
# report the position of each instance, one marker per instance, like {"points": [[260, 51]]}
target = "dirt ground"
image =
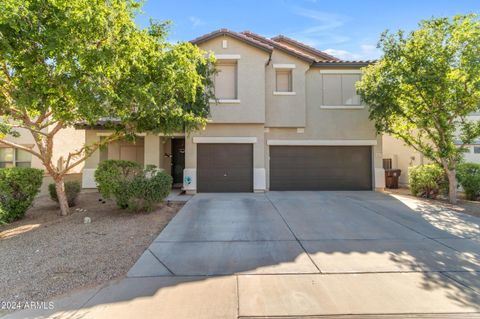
{"points": [[44, 255], [463, 206]]}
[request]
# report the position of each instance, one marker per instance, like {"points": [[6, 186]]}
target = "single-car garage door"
{"points": [[224, 168], [320, 168]]}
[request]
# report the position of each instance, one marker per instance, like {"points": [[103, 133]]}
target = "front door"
{"points": [[178, 161]]}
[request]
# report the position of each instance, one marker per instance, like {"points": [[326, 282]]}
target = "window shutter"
{"points": [[332, 89], [226, 81], [349, 92], [284, 81]]}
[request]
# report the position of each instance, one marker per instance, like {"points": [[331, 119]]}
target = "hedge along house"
{"points": [[287, 117]]}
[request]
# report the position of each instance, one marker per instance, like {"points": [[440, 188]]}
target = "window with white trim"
{"points": [[226, 80], [339, 90], [14, 157], [283, 80], [476, 149]]}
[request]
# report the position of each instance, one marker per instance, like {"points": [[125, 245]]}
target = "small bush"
{"points": [[72, 189], [427, 180], [113, 176], [132, 186], [18, 188], [468, 175], [145, 190]]}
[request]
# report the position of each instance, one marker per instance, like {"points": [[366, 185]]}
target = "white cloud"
{"points": [[366, 52], [343, 54], [196, 22], [324, 29]]}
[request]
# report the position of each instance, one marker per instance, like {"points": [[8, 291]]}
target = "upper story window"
{"points": [[339, 90], [284, 79], [226, 80], [13, 157]]}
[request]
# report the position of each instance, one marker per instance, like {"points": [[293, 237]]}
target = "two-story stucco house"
{"points": [[287, 118]]}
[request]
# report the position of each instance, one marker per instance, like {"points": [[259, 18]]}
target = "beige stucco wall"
{"points": [[402, 156], [333, 123], [251, 83], [223, 130], [66, 140], [286, 110]]}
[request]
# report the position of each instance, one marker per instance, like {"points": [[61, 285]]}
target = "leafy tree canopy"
{"points": [[425, 85], [63, 62]]}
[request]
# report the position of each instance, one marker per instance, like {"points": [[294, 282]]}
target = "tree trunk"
{"points": [[452, 185], [62, 197]]}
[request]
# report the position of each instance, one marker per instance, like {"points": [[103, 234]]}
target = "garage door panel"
{"points": [[224, 167], [320, 168]]}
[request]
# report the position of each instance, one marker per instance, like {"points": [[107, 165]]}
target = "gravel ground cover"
{"points": [[45, 255]]}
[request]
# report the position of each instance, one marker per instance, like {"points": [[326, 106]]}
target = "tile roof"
{"points": [[344, 63], [236, 35], [317, 53], [280, 46], [284, 44]]}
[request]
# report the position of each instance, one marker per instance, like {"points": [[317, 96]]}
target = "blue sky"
{"points": [[347, 29]]}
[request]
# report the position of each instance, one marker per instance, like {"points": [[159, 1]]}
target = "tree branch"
{"points": [[15, 145]]}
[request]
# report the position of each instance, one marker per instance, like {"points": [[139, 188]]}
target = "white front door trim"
{"points": [[225, 139], [322, 142]]}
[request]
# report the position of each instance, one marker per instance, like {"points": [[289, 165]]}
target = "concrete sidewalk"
{"points": [[297, 254]]}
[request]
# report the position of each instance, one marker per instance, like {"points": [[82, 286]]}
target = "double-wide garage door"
{"points": [[320, 168], [224, 168]]}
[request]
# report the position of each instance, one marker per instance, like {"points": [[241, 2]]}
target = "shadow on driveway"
{"points": [[299, 254]]}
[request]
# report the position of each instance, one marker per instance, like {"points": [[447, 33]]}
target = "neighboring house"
{"points": [[65, 141], [287, 118], [399, 156]]}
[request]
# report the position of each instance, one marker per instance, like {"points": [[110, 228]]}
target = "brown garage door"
{"points": [[224, 168], [320, 168]]}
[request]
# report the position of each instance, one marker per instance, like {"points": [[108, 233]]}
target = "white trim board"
{"points": [[225, 139], [225, 101], [284, 93], [227, 56], [340, 71], [284, 66], [342, 107], [322, 142]]}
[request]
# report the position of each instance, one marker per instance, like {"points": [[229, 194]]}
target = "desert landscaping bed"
{"points": [[45, 255]]}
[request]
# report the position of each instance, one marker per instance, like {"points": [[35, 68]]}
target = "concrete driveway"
{"points": [[295, 254]]}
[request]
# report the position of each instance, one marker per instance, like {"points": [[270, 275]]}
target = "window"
{"points": [[283, 80], [11, 157], [226, 80], [339, 90], [103, 150], [476, 149]]}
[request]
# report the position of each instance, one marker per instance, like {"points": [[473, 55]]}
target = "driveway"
{"points": [[295, 254]]}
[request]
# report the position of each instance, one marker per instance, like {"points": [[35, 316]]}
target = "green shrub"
{"points": [[18, 188], [468, 175], [72, 189], [427, 180], [145, 190], [131, 186], [113, 177]]}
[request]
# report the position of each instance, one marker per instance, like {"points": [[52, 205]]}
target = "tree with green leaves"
{"points": [[64, 62], [424, 87]]}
